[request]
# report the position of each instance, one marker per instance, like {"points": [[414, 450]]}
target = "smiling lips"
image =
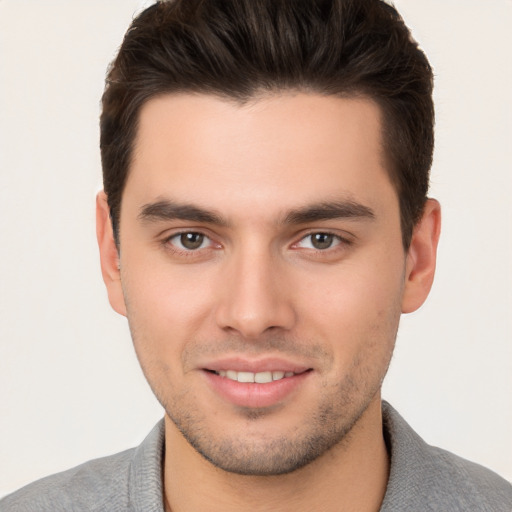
{"points": [[258, 389], [259, 378]]}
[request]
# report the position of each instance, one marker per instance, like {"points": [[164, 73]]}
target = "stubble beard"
{"points": [[339, 407], [329, 427]]}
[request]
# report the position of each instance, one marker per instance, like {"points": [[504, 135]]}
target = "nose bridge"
{"points": [[255, 298]]}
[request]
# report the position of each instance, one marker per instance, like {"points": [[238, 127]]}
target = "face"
{"points": [[262, 272]]}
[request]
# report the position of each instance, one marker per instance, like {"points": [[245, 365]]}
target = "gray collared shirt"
{"points": [[422, 478]]}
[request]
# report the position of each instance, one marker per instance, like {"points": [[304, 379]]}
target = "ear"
{"points": [[421, 257], [109, 256]]}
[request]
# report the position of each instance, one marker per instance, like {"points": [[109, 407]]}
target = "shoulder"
{"points": [[423, 477], [126, 481], [467, 483], [86, 487]]}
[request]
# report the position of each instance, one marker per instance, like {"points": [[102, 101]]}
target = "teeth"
{"points": [[246, 377], [260, 377], [263, 377]]}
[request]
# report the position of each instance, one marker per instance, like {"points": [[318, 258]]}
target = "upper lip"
{"points": [[267, 364]]}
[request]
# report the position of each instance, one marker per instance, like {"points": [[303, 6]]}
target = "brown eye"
{"points": [[322, 240], [319, 241], [188, 241], [191, 241]]}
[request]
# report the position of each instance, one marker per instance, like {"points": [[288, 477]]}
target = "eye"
{"points": [[319, 241], [189, 241]]}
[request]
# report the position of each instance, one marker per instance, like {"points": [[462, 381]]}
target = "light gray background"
{"points": [[70, 385]]}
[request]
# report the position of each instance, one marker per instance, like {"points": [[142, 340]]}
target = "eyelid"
{"points": [[340, 239], [166, 241], [178, 237], [335, 242]]}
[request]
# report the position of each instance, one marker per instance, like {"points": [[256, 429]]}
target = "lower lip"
{"points": [[255, 395]]}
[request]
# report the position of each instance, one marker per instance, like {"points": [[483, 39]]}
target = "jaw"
{"points": [[355, 470]]}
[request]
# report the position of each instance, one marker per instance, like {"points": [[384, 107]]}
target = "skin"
{"points": [[269, 278]]}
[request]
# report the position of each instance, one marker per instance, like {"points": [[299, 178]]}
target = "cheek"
{"points": [[163, 295], [165, 309], [355, 306], [352, 291]]}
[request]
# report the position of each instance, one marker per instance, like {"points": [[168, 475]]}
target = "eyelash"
{"points": [[337, 239], [167, 243], [340, 242]]}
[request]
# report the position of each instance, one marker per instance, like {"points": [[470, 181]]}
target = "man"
{"points": [[264, 224]]}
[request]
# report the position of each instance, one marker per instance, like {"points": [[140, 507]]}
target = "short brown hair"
{"points": [[238, 48]]}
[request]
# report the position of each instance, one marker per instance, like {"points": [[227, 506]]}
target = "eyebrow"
{"points": [[170, 210], [347, 209]]}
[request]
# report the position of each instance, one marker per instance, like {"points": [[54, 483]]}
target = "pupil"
{"points": [[191, 240], [322, 240]]}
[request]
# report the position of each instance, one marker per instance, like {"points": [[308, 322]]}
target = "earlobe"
{"points": [[109, 256], [421, 257]]}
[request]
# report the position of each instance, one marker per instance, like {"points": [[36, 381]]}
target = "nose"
{"points": [[254, 298]]}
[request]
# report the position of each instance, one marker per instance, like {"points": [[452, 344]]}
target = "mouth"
{"points": [[264, 387], [264, 377]]}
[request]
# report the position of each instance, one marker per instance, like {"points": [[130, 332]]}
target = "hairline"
{"points": [[260, 94]]}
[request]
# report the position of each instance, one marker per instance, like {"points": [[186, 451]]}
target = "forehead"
{"points": [[281, 149]]}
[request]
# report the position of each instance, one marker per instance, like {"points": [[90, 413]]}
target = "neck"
{"points": [[351, 476]]}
